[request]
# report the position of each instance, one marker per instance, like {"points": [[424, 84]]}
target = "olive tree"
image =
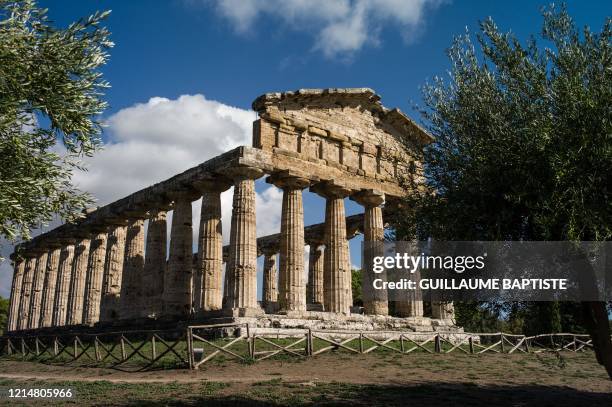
{"points": [[523, 146], [51, 92]]}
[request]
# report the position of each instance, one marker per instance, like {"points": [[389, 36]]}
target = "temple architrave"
{"points": [[114, 267]]}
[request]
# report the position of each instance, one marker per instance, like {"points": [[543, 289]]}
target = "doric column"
{"points": [[337, 295], [37, 288], [26, 290], [241, 268], [113, 272], [93, 283], [443, 310], [292, 287], [76, 294], [375, 302], [178, 280], [409, 306], [133, 265], [314, 288], [48, 297], [269, 292], [209, 267], [155, 263], [16, 292], [64, 277]]}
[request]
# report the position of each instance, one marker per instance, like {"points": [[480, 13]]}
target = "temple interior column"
{"points": [[241, 268], [48, 297], [13, 313], [93, 283], [337, 293], [314, 288], [209, 267], [113, 273], [291, 284], [130, 299], [62, 287], [77, 282], [178, 279], [375, 302], [26, 289], [155, 263], [37, 288], [270, 277]]}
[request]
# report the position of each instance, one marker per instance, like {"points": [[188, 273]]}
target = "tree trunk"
{"points": [[596, 321]]}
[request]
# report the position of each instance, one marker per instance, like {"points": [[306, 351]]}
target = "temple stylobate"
{"points": [[115, 266]]}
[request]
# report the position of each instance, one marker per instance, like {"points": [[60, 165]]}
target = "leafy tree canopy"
{"points": [[51, 92], [523, 134]]}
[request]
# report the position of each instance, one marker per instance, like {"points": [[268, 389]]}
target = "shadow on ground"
{"points": [[439, 394]]}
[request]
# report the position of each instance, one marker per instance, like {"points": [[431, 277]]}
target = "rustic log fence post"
{"points": [[123, 355], [437, 347], [309, 340]]}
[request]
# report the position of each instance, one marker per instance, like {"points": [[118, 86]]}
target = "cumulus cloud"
{"points": [[340, 27], [152, 141]]}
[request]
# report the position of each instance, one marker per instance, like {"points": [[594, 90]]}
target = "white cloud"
{"points": [[153, 141], [340, 27]]}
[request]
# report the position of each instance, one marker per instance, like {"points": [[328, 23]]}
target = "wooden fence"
{"points": [[147, 350], [126, 350], [251, 345]]}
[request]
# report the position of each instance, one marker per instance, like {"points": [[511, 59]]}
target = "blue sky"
{"points": [[175, 47], [184, 73]]}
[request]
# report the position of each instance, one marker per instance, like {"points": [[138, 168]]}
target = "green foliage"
{"points": [[356, 280], [4, 307], [523, 149], [50, 89], [523, 138]]}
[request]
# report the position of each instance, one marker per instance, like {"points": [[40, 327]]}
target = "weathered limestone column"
{"points": [[269, 292], [443, 310], [209, 268], [409, 303], [48, 297], [411, 306], [113, 273], [76, 294], [292, 287], [26, 290], [16, 292], [375, 302], [314, 288], [177, 282], [155, 263], [93, 283], [133, 264], [337, 293], [62, 287], [241, 270], [37, 288]]}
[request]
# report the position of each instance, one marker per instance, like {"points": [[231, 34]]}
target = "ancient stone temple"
{"points": [[115, 267]]}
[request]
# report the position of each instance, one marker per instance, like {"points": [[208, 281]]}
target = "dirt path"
{"points": [[576, 371]]}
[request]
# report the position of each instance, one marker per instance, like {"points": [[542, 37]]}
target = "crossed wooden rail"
{"points": [[304, 343], [114, 350], [145, 350]]}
